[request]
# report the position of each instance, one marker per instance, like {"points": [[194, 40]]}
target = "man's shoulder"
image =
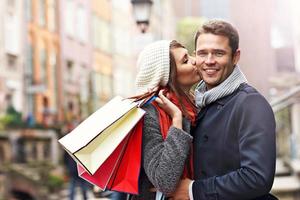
{"points": [[248, 89], [247, 93], [245, 90]]}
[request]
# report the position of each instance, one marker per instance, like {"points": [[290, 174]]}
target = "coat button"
{"points": [[203, 173], [205, 138]]}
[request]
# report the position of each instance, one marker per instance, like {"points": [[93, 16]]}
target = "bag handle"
{"points": [[146, 97]]}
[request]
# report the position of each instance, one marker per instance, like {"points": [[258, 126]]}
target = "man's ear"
{"points": [[236, 56]]}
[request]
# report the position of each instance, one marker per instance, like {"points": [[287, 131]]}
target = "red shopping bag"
{"points": [[120, 171], [102, 176]]}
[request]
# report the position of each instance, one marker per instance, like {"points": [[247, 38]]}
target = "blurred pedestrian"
{"points": [[118, 196], [71, 122], [74, 179]]}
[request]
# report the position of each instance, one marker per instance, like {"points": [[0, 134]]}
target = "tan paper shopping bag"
{"points": [[94, 140]]}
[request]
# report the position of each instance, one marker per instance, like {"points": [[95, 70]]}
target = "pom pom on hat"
{"points": [[154, 66]]}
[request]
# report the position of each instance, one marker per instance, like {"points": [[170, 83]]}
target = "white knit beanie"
{"points": [[154, 66]]}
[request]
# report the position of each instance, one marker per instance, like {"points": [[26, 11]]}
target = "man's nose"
{"points": [[210, 59]]}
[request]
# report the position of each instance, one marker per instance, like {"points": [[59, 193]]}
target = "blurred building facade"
{"points": [[287, 80], [102, 73], [163, 20], [76, 55], [128, 39], [188, 8], [42, 49], [11, 55], [294, 4], [123, 32], [257, 54]]}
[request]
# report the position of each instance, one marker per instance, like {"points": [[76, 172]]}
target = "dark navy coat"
{"points": [[234, 148]]}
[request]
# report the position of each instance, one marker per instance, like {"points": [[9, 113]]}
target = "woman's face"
{"points": [[187, 73]]}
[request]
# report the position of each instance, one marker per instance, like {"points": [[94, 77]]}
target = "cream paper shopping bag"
{"points": [[94, 140]]}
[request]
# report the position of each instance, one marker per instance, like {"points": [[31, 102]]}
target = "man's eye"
{"points": [[202, 54], [219, 54]]}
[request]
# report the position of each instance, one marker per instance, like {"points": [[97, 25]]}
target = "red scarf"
{"points": [[165, 122]]}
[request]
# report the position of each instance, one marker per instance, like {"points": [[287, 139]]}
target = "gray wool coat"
{"points": [[163, 160]]}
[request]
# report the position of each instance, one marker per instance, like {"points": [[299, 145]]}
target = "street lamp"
{"points": [[141, 13]]}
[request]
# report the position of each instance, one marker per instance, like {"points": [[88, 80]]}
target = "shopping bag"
{"points": [[95, 139], [120, 172], [104, 173]]}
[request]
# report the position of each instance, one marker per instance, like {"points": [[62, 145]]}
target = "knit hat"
{"points": [[154, 66]]}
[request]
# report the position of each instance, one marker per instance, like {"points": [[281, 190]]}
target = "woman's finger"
{"points": [[162, 96], [158, 100]]}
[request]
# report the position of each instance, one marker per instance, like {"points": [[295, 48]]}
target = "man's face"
{"points": [[214, 58]]}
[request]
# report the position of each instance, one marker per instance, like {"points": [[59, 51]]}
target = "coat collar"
{"points": [[225, 99]]}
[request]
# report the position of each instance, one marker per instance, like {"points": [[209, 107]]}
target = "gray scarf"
{"points": [[204, 97]]}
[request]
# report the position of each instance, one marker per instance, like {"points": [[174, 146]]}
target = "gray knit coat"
{"points": [[163, 160]]}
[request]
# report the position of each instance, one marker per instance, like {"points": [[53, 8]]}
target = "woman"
{"points": [[165, 68]]}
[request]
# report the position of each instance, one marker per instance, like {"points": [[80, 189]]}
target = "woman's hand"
{"points": [[182, 190], [170, 108]]}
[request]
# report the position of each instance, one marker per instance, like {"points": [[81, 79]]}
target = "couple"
{"points": [[215, 143]]}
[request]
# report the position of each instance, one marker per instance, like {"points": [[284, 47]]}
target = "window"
{"points": [[42, 12], [122, 41], [70, 69], [81, 24], [43, 67], [95, 36], [106, 86], [29, 66], [69, 18], [103, 86], [84, 90], [51, 15], [101, 34], [29, 80], [11, 61], [12, 37], [28, 10], [53, 66], [46, 147], [105, 36], [31, 103]]}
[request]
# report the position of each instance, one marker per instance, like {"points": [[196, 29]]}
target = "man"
{"points": [[234, 137]]}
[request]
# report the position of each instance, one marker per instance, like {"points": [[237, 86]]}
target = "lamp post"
{"points": [[141, 13]]}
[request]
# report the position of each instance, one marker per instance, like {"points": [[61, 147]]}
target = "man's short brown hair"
{"points": [[223, 28]]}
